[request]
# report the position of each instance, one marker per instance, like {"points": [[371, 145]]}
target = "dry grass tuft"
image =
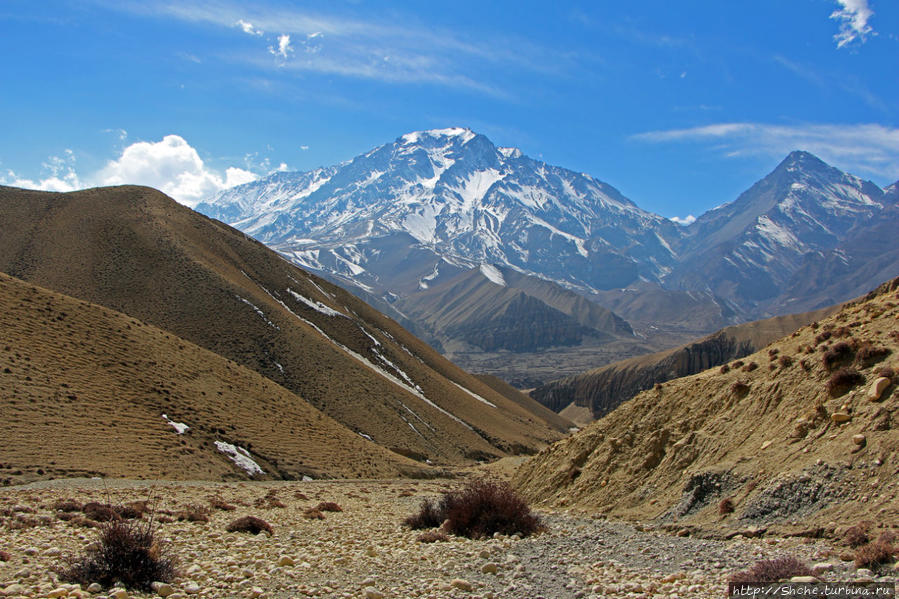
{"points": [[250, 524], [856, 536], [726, 506], [328, 506], [843, 380], [128, 553], [772, 570], [432, 536], [871, 555]]}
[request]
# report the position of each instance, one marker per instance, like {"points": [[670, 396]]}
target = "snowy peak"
{"points": [[470, 202]]}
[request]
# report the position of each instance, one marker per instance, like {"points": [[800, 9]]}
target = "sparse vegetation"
{"points": [[479, 510], [856, 536], [840, 352], [739, 388], [328, 506], [750, 367], [868, 354], [772, 570], [724, 369], [310, 513], [127, 552], [726, 506], [67, 505], [432, 536], [843, 379], [4, 556], [194, 513], [876, 553], [220, 504], [785, 361], [250, 524]]}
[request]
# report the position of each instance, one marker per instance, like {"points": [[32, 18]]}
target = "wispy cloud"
{"points": [[57, 174], [686, 220], [247, 27], [283, 49], [866, 148], [853, 18], [375, 48]]}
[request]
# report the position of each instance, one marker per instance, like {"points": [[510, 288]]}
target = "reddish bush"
{"points": [[193, 513], [430, 515], [857, 535], [724, 369], [844, 379], [840, 352], [868, 354], [100, 512], [328, 506], [432, 536], [67, 505], [772, 570], [739, 388], [127, 553], [310, 513], [726, 506], [220, 504], [874, 554], [250, 524], [785, 361], [750, 367], [4, 556]]}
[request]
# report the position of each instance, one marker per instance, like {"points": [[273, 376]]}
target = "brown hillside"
{"points": [[603, 389], [137, 251], [777, 433], [83, 390], [524, 400]]}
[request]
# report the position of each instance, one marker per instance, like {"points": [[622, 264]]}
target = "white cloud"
{"points": [[304, 148], [172, 166], [686, 220], [58, 175], [868, 148], [247, 27], [284, 49], [853, 17]]}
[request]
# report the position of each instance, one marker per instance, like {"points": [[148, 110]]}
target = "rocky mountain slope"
{"points": [[136, 251], [603, 389], [87, 391], [430, 207], [803, 431], [745, 252]]}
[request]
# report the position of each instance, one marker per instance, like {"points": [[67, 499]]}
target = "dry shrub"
{"points": [[885, 371], [840, 352], [856, 536], [311, 513], [726, 506], [250, 524], [430, 515], [821, 337], [4, 556], [100, 512], [328, 506], [881, 551], [220, 504], [432, 536], [301, 496], [750, 367], [724, 369], [739, 388], [194, 513], [785, 361], [868, 354], [67, 505], [772, 570], [479, 510], [844, 379], [128, 553], [805, 365], [737, 364], [80, 520]]}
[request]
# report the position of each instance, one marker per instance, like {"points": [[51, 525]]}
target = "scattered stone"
{"points": [[60, 592], [256, 592], [190, 587], [95, 588], [14, 589], [118, 594], [372, 593], [285, 560], [839, 417], [163, 589], [803, 579], [822, 567], [461, 584], [864, 572], [490, 568], [766, 444], [858, 439], [878, 387]]}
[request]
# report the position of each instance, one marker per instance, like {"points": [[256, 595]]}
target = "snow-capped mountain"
{"points": [[451, 200], [747, 251]]}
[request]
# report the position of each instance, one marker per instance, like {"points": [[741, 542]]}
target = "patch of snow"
{"points": [[281, 368], [475, 395], [317, 306], [240, 457], [258, 311], [179, 427], [476, 186], [366, 436], [422, 223], [493, 274]]}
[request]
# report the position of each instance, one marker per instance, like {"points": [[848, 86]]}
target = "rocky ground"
{"points": [[364, 551]]}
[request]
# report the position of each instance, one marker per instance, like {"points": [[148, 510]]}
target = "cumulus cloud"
{"points": [[284, 49], [853, 18], [247, 27], [172, 166], [686, 220], [58, 174], [865, 148]]}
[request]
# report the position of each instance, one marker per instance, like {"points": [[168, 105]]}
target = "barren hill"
{"points": [[603, 389], [790, 434], [134, 250], [89, 391]]}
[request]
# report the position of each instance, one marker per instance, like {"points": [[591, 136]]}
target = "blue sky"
{"points": [[679, 104]]}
